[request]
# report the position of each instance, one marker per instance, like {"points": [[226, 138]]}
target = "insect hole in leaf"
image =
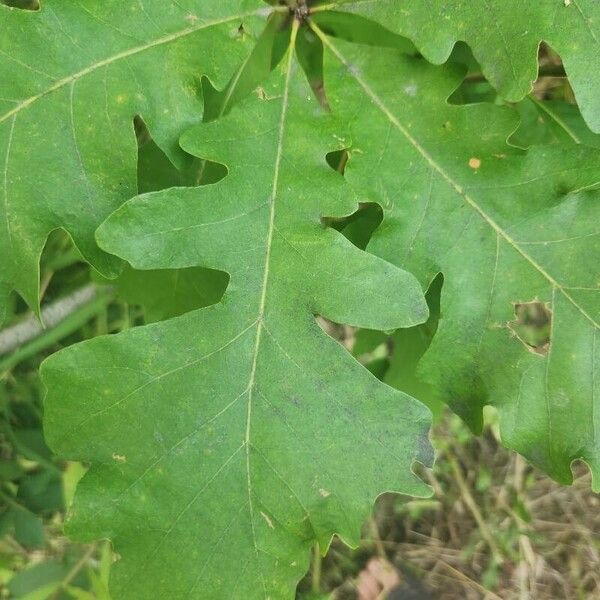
{"points": [[533, 326]]}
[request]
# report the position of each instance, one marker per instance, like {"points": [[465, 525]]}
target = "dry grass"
{"points": [[496, 528]]}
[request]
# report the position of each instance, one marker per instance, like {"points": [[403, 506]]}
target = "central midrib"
{"points": [[265, 279], [123, 55]]}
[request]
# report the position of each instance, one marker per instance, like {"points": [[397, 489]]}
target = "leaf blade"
{"points": [[501, 212], [76, 78], [504, 38], [273, 417]]}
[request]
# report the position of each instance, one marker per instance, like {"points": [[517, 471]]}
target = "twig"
{"points": [[472, 506], [71, 315], [73, 572], [472, 583], [528, 560], [377, 539], [316, 569], [52, 314]]}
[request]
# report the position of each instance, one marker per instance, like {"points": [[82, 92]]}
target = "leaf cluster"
{"points": [[239, 169]]}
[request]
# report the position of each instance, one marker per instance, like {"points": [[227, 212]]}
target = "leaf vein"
{"points": [[6, 163]]}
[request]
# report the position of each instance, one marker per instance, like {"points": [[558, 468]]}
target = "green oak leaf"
{"points": [[224, 442], [505, 227], [72, 77], [504, 35]]}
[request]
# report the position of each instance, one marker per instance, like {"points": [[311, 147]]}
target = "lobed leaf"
{"points": [[73, 77], [225, 442], [504, 36], [511, 231]]}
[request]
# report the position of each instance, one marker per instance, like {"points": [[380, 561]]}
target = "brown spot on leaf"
{"points": [[474, 163]]}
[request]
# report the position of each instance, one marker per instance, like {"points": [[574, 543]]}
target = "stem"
{"points": [[316, 569], [64, 317], [472, 506], [52, 314], [73, 572], [280, 8], [345, 157], [324, 7], [377, 539], [527, 553], [488, 594]]}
